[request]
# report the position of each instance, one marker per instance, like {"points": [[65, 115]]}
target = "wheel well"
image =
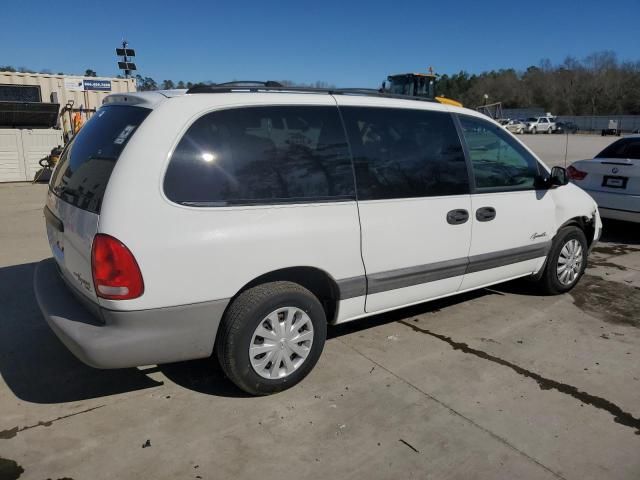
{"points": [[587, 225], [317, 281]]}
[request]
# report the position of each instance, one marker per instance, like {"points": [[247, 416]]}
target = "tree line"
{"points": [[148, 83], [597, 85], [10, 68]]}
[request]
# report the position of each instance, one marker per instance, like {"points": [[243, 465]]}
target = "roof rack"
{"points": [[249, 83], [270, 86]]}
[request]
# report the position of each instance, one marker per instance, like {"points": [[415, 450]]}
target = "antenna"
{"points": [[566, 147]]}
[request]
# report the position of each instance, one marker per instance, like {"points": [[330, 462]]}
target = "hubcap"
{"points": [[569, 262], [281, 343]]}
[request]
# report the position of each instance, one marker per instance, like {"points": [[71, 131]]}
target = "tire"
{"points": [[552, 281], [254, 312], [534, 130]]}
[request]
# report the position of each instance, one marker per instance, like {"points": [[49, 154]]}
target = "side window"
{"points": [[544, 120], [400, 153], [499, 162], [261, 155]]}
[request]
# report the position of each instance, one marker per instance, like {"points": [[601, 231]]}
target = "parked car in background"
{"points": [[515, 126], [566, 127], [541, 125], [612, 178]]}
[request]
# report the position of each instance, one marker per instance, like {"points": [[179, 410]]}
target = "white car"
{"points": [[541, 125], [515, 126], [242, 221], [612, 178]]}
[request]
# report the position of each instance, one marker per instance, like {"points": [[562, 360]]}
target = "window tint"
{"points": [[261, 155], [499, 162], [623, 148], [86, 164], [401, 153]]}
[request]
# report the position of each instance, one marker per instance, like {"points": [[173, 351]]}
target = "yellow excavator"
{"points": [[417, 85]]}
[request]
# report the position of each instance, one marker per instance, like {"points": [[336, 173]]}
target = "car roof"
{"points": [[152, 99]]}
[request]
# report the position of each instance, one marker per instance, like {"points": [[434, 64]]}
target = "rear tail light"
{"points": [[575, 174], [116, 275]]}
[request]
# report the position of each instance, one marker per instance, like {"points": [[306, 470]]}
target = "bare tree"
{"points": [[597, 85]]}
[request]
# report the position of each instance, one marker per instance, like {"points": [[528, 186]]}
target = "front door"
{"points": [[512, 222], [413, 199]]}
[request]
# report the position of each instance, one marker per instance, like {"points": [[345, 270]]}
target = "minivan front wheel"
{"points": [[566, 261], [271, 337]]}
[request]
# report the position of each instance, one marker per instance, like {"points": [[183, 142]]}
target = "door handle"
{"points": [[485, 214], [457, 217]]}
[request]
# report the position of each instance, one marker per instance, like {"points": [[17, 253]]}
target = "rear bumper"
{"points": [[624, 215], [126, 338], [617, 206]]}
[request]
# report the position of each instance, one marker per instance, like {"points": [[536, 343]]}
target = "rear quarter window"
{"points": [[261, 155], [86, 164]]}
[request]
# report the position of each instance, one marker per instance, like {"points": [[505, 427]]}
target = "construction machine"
{"points": [[417, 85]]}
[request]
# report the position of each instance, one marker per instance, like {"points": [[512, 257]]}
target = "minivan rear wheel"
{"points": [[566, 261], [271, 337]]}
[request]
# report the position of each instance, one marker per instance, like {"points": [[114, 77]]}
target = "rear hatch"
{"points": [[77, 189]]}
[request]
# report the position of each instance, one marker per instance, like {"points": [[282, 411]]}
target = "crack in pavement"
{"points": [[620, 416], [492, 434], [12, 432]]}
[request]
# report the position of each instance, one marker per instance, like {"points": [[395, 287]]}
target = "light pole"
{"points": [[126, 54]]}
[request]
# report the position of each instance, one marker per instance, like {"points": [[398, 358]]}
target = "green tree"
{"points": [[90, 73], [145, 83], [597, 85]]}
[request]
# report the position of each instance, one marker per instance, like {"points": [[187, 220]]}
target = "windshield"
{"points": [[86, 164], [412, 85], [623, 148]]}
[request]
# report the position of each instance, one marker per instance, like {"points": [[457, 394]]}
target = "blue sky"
{"points": [[346, 43]]}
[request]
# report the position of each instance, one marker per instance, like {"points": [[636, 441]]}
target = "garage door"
{"points": [[11, 158], [37, 144], [21, 150]]}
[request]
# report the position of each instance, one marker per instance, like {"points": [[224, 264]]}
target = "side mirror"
{"points": [[558, 177]]}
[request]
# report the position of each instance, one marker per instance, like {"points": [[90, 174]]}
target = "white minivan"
{"points": [[244, 220]]}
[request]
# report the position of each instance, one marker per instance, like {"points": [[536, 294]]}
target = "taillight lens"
{"points": [[575, 174], [116, 275]]}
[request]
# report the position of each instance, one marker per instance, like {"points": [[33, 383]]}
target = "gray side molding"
{"points": [[407, 277], [352, 287], [487, 261]]}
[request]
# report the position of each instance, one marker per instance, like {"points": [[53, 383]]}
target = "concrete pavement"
{"points": [[495, 384]]}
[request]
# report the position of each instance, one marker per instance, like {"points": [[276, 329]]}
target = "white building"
{"points": [[37, 113]]}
